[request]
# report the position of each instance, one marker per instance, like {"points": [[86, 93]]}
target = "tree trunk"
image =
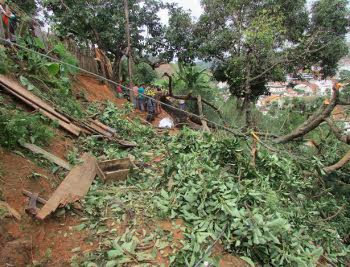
{"points": [[127, 29], [116, 66]]}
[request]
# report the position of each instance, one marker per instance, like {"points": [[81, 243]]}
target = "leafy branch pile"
{"points": [[18, 127], [268, 213]]}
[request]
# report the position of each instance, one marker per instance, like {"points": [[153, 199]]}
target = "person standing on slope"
{"points": [[135, 92], [5, 17], [141, 98]]}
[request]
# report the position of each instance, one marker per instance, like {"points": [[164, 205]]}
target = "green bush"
{"points": [[267, 213], [19, 127]]}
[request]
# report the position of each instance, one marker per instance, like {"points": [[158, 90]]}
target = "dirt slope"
{"points": [[26, 241], [55, 241], [95, 90]]}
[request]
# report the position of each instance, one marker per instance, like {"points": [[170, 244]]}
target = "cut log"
{"points": [[37, 150], [73, 188]]}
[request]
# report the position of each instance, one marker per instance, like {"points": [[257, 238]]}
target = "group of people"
{"points": [[147, 98], [144, 98], [9, 21]]}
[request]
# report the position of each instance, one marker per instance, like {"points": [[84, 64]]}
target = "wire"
{"points": [[125, 87]]}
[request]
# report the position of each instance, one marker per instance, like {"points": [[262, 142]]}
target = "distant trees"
{"points": [[252, 42]]}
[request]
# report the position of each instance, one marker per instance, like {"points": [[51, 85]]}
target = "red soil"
{"points": [[95, 90], [26, 241], [60, 145]]}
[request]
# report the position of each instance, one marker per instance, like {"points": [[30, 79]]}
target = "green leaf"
{"points": [[248, 260], [112, 254], [112, 263], [80, 227], [39, 43], [53, 68], [25, 82]]}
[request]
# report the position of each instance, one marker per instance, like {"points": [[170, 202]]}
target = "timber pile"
{"points": [[91, 127]]}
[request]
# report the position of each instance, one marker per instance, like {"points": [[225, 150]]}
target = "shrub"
{"points": [[19, 127]]}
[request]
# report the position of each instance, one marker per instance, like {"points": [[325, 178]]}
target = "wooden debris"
{"points": [[66, 122], [32, 208], [74, 186], [30, 194], [37, 150], [114, 170], [11, 211], [35, 102]]}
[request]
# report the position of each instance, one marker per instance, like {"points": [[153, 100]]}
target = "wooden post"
{"points": [[127, 28]]}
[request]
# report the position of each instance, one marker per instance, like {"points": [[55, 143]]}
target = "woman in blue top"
{"points": [[141, 98]]}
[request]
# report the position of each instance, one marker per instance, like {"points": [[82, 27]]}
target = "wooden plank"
{"points": [[103, 126], [100, 130], [73, 129], [15, 86], [29, 194], [74, 186], [58, 161]]}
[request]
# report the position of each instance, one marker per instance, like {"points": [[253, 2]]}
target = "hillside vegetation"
{"points": [[252, 189]]}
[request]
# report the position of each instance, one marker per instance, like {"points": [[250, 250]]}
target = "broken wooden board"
{"points": [[35, 102], [73, 188], [103, 126], [11, 211], [37, 150], [16, 87], [98, 129], [114, 170]]}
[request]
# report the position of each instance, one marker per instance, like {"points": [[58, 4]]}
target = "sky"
{"points": [[193, 5]]}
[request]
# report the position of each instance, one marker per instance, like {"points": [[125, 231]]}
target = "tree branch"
{"points": [[338, 132], [285, 60], [313, 122], [189, 96], [340, 164]]}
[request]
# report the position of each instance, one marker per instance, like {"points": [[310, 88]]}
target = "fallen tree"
{"points": [[313, 122]]}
